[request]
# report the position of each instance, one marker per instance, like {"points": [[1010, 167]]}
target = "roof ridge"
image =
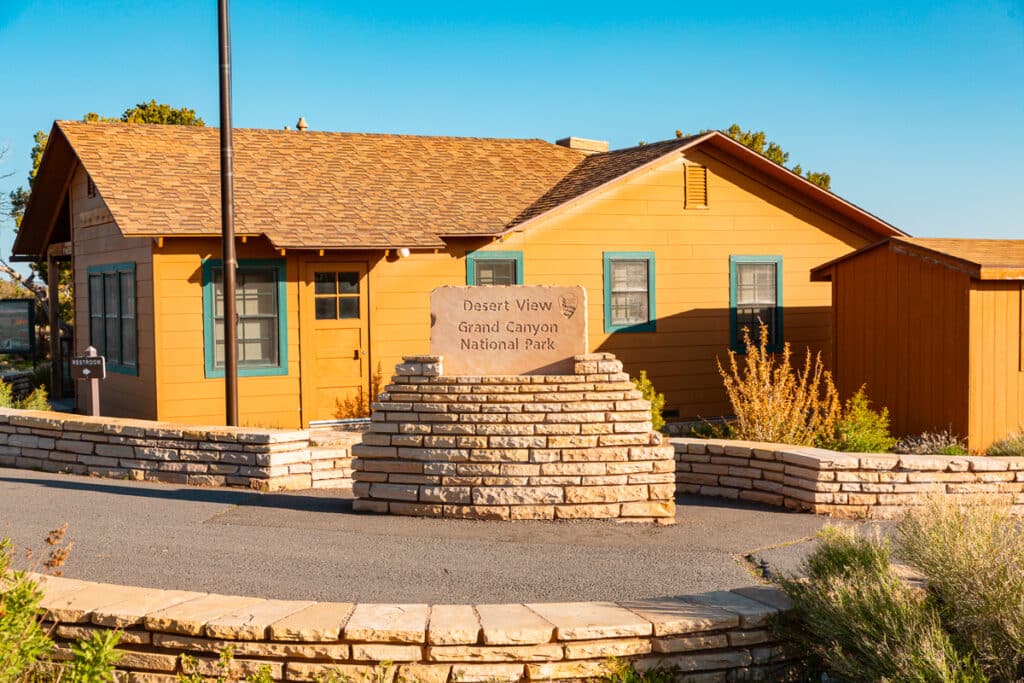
{"points": [[309, 133]]}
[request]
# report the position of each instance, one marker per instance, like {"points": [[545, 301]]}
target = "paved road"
{"points": [[310, 545]]}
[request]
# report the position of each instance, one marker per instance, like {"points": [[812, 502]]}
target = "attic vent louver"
{"points": [[696, 186]]}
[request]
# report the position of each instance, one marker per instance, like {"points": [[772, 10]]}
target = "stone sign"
{"points": [[513, 330]]}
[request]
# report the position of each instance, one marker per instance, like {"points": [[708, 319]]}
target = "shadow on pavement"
{"points": [[290, 501]]}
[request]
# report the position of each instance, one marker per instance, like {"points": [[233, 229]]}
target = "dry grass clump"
{"points": [[931, 443], [859, 621], [359, 405], [972, 553], [774, 402], [1009, 446]]}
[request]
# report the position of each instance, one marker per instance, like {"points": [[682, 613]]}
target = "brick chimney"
{"points": [[584, 145]]}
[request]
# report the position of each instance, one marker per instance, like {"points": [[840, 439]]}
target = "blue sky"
{"points": [[916, 109]]}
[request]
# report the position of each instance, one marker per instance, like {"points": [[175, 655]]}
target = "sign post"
{"points": [[91, 367]]}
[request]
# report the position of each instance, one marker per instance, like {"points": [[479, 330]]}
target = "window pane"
{"points": [[326, 308], [629, 276], [324, 283], [97, 338], [257, 308], [629, 292], [110, 309], [348, 283], [349, 306], [129, 345], [751, 319], [495, 272], [755, 284], [127, 295], [96, 335], [257, 342], [629, 308], [256, 293]]}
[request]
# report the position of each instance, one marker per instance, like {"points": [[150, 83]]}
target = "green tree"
{"points": [[758, 141], [17, 200]]}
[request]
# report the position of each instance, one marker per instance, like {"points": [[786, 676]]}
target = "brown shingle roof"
{"points": [[347, 190], [597, 170], [982, 259], [313, 189]]}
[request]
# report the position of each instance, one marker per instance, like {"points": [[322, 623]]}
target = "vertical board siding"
{"points": [[96, 242], [996, 384], [901, 329]]}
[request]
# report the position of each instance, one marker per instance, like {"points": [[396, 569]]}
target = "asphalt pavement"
{"points": [[310, 545]]}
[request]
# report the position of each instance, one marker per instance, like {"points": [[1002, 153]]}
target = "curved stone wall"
{"points": [[514, 447], [872, 485], [710, 637]]}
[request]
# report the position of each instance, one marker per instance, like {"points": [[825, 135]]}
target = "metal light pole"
{"points": [[227, 214]]}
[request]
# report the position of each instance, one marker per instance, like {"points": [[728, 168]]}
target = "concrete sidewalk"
{"points": [[310, 545]]}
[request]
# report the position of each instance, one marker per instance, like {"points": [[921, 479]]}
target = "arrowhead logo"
{"points": [[86, 372]]}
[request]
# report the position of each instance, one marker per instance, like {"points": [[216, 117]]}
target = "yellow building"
{"points": [[343, 236]]}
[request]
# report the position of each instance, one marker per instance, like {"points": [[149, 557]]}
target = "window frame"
{"points": [[652, 318], [735, 338], [278, 266], [473, 256], [117, 269]]}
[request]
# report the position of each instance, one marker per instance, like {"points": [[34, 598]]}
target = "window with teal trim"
{"points": [[755, 299], [113, 330], [261, 308], [629, 291], [494, 268]]}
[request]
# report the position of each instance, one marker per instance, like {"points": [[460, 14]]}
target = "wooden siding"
{"points": [[901, 329], [996, 362], [692, 249], [185, 393], [642, 213], [96, 242]]}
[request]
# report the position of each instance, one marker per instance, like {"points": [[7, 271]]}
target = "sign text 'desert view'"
{"points": [[534, 329]]}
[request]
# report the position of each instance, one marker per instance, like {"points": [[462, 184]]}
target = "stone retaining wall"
{"points": [[261, 459], [514, 447], [713, 637], [873, 485]]}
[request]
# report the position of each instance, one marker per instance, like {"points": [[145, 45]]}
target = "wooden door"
{"points": [[334, 341]]}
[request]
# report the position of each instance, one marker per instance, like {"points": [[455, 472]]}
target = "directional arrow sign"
{"points": [[88, 367]]}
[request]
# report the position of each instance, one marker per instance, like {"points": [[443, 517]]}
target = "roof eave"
{"points": [[43, 206]]}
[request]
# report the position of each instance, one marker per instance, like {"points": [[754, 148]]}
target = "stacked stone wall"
{"points": [[514, 447], [711, 638], [142, 450], [854, 485]]}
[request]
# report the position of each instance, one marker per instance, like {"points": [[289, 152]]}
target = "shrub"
{"points": [[713, 430], [859, 621], [646, 387], [25, 647], [773, 402], [972, 554], [37, 400], [1008, 446], [860, 429], [931, 443], [359, 405]]}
